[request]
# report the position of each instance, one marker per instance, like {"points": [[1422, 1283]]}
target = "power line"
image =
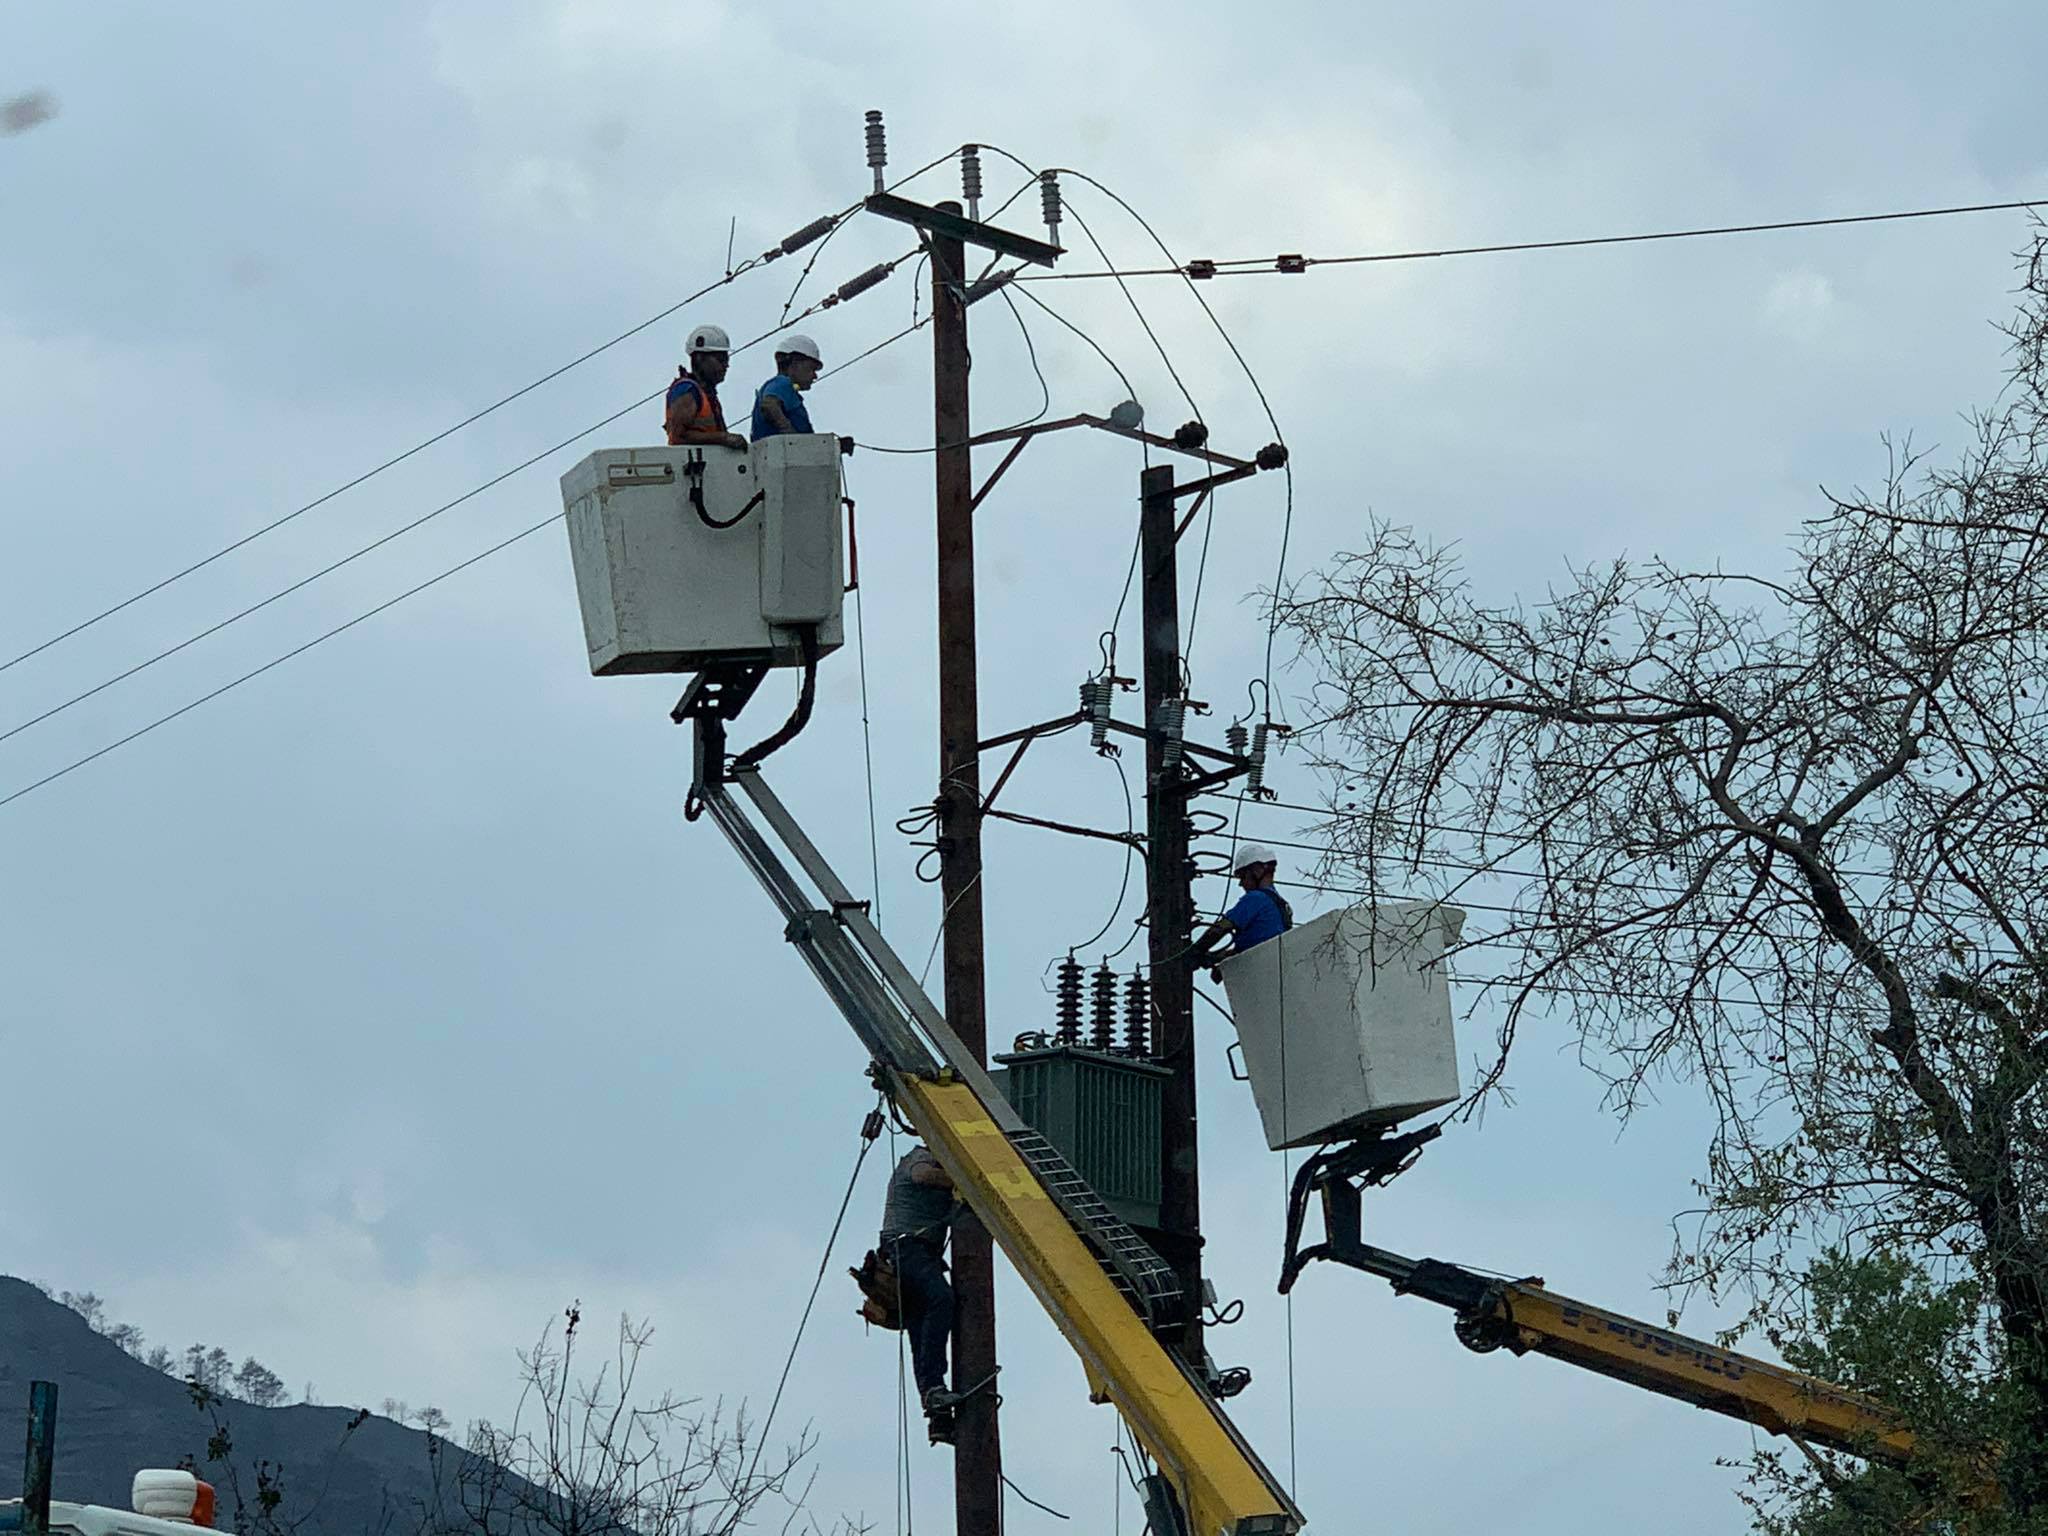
{"points": [[278, 661], [1481, 834], [373, 545], [323, 637], [369, 474], [836, 220], [1259, 266]]}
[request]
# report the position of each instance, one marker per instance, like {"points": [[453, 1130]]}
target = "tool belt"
{"points": [[881, 1296]]}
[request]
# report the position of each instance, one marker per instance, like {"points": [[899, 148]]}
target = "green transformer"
{"points": [[1102, 1111]]}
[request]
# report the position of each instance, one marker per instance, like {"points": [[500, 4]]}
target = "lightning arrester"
{"points": [[970, 179], [1049, 198], [878, 149]]}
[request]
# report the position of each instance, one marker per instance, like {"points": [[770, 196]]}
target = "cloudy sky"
{"points": [[368, 1014]]}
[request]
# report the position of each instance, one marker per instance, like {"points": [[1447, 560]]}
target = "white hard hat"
{"points": [[1252, 854], [709, 338], [796, 344]]}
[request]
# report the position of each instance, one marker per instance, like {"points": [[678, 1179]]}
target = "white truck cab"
{"points": [[167, 1503]]}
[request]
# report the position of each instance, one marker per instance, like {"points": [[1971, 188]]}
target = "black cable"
{"points": [[807, 695], [1209, 511], [1044, 389], [824, 1261], [1130, 391], [1031, 1501], [886, 341], [839, 223], [1130, 298], [1130, 850], [1258, 266]]}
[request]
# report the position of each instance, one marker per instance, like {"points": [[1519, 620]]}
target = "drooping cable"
{"points": [[1031, 1501], [807, 696], [824, 1262], [1130, 850], [1030, 351], [867, 741]]}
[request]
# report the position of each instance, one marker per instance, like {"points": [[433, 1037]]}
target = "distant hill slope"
{"points": [[116, 1414]]}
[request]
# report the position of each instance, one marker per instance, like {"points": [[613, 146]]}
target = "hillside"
{"points": [[116, 1414]]}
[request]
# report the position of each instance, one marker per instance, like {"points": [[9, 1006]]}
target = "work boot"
{"points": [[938, 1415]]}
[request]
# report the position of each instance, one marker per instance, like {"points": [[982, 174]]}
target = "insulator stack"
{"points": [[1067, 1008], [1173, 720], [970, 179], [1137, 1015], [1049, 199], [1237, 738], [861, 284], [1255, 781], [817, 229], [878, 149], [1097, 697], [1102, 1010]]}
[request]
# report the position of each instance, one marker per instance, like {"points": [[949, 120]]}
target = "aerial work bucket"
{"points": [[694, 556], [1346, 1021]]}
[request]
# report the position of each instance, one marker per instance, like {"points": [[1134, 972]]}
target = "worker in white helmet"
{"points": [[693, 415], [779, 404], [1261, 913]]}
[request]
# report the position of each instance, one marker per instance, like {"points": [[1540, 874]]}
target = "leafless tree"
{"points": [[1783, 836], [254, 1493], [591, 1455]]}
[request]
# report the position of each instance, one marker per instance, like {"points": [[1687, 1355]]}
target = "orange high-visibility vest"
{"points": [[706, 413]]}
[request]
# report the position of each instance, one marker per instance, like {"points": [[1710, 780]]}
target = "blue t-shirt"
{"points": [[1258, 916], [782, 389]]}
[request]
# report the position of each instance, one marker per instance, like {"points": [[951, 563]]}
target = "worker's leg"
{"points": [[927, 1311]]}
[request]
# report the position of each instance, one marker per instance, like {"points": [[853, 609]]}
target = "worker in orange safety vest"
{"points": [[693, 415]]}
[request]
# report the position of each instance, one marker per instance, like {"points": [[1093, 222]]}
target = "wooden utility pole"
{"points": [[1169, 898], [978, 1457]]}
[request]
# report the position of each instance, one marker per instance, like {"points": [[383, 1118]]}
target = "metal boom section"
{"points": [[1106, 1290]]}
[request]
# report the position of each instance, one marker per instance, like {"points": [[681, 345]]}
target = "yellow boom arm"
{"points": [[1523, 1317], [1103, 1287]]}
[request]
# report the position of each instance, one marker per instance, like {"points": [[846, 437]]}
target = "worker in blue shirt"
{"points": [[1261, 913], [779, 404]]}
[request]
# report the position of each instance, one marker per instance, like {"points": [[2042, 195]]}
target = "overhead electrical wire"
{"points": [[1291, 265], [396, 459], [359, 553], [329, 634], [731, 275], [278, 661]]}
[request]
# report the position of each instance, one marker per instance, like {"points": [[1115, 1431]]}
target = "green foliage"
{"points": [[1882, 1325]]}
